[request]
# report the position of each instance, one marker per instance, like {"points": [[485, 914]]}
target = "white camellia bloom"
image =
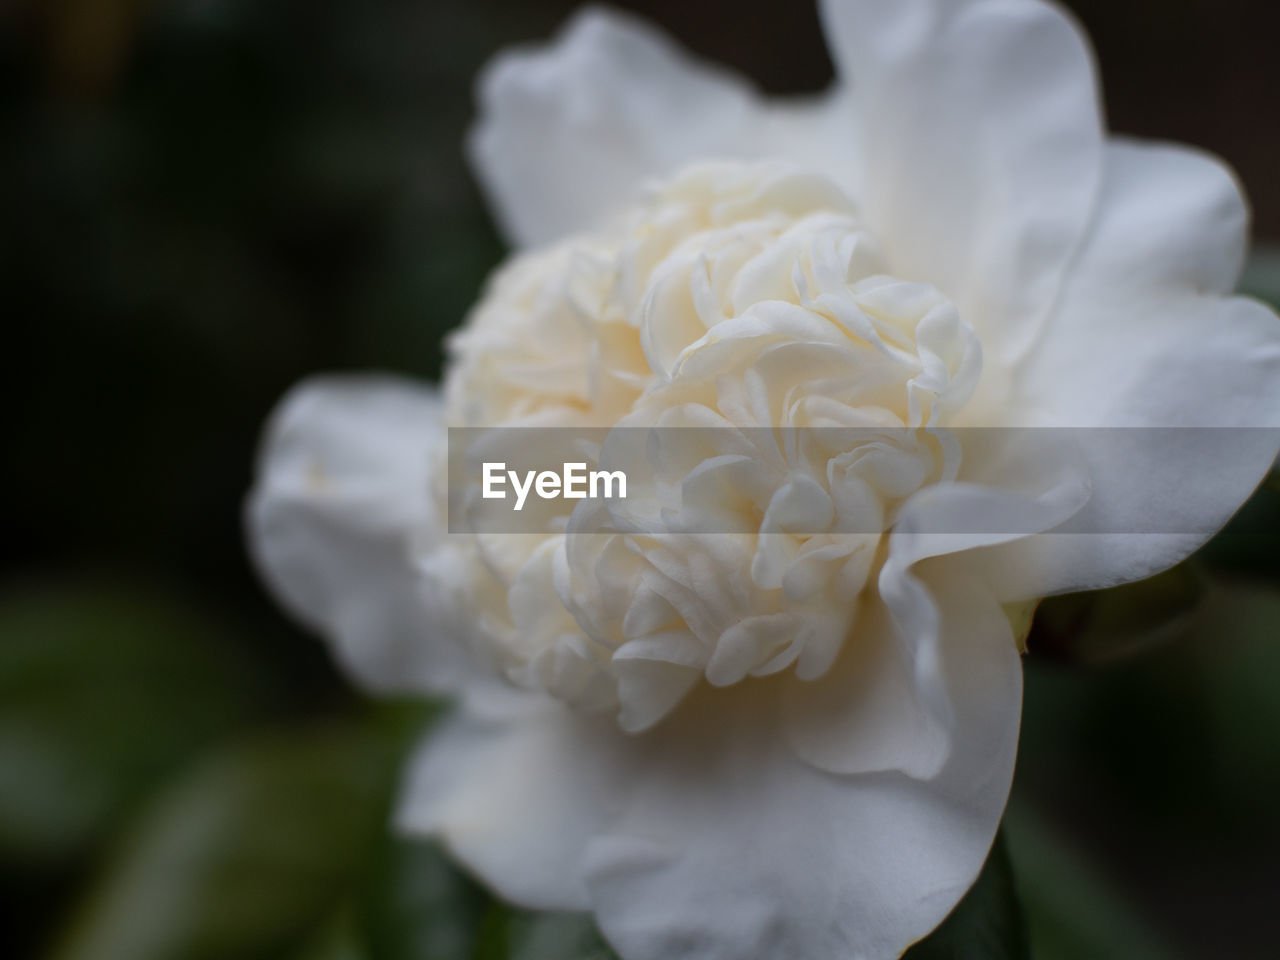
{"points": [[767, 705]]}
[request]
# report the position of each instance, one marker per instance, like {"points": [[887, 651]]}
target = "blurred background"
{"points": [[204, 200]]}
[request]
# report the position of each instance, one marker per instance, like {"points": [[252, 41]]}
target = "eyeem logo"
{"points": [[572, 483]]}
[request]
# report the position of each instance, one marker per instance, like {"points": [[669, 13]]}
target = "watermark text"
{"points": [[574, 482]]}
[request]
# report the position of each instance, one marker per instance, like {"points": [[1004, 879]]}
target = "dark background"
{"points": [[204, 201]]}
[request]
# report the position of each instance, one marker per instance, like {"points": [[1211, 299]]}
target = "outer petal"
{"points": [[731, 846], [515, 785], [894, 698], [568, 133], [342, 485], [1142, 339], [868, 714], [708, 837], [981, 151]]}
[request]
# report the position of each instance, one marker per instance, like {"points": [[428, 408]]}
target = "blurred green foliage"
{"points": [[204, 201], [989, 924]]}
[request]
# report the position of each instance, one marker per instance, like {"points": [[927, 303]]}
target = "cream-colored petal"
{"points": [[1174, 386], [515, 785], [341, 489], [568, 133], [730, 845], [980, 148]]}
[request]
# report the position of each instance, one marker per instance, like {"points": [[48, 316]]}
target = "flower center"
{"points": [[790, 394]]}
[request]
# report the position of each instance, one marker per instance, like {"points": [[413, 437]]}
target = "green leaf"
{"points": [[421, 906], [1172, 760], [555, 936], [509, 934], [1262, 274], [987, 924], [337, 940], [1124, 736], [1072, 912], [105, 688], [1239, 665], [1104, 625], [248, 855], [1250, 542]]}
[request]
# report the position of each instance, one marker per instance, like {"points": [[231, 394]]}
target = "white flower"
{"points": [[794, 737]]}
